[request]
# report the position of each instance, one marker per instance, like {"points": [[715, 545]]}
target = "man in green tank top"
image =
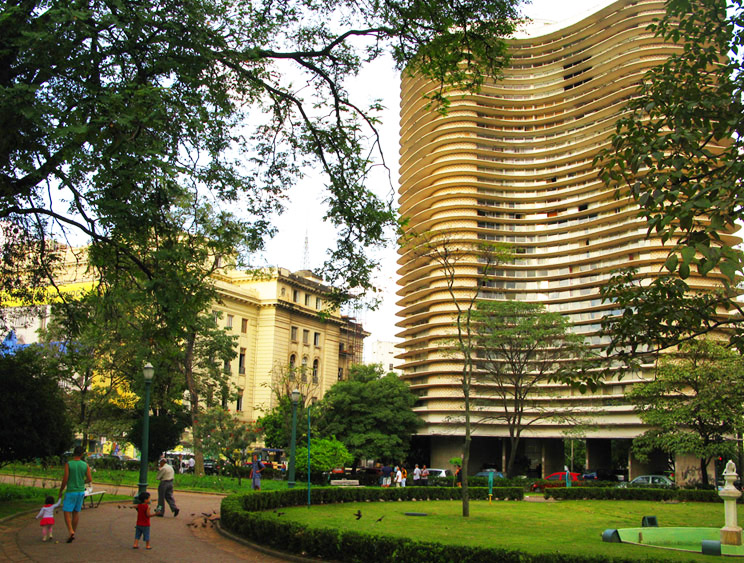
{"points": [[77, 475]]}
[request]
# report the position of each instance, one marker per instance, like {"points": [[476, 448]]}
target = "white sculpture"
{"points": [[731, 532]]}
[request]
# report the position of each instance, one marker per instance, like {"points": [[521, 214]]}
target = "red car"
{"points": [[554, 480]]}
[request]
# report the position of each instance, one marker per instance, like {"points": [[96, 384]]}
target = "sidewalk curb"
{"points": [[263, 549]]}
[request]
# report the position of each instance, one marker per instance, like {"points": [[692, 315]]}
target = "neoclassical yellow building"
{"points": [[280, 318], [513, 164]]}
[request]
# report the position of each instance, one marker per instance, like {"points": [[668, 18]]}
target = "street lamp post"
{"points": [[309, 487], [293, 445], [147, 372]]}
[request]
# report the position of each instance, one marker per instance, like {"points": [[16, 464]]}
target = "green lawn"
{"points": [[568, 527], [19, 498], [208, 483]]}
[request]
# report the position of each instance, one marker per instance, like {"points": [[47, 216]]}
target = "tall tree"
{"points": [[678, 153], [91, 365], [33, 420], [521, 345], [107, 105], [371, 414], [466, 268], [693, 405], [165, 299]]}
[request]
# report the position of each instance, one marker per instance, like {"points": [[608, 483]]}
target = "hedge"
{"points": [[631, 493], [242, 514]]}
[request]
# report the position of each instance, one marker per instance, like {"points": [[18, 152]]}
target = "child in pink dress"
{"points": [[47, 517]]}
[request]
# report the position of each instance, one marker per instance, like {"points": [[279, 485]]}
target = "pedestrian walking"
{"points": [[416, 476], [398, 476], [76, 476], [256, 467], [403, 476], [424, 476], [165, 489], [47, 517], [386, 475], [142, 528]]}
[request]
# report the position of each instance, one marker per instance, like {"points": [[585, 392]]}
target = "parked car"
{"points": [[651, 481], [211, 466], [439, 473], [557, 479], [105, 461], [599, 475]]}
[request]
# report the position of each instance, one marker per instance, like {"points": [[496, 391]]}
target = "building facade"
{"points": [[281, 319], [514, 164], [282, 322]]}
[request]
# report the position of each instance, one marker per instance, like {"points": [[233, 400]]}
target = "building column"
{"points": [[444, 448], [687, 470], [656, 465], [553, 456]]}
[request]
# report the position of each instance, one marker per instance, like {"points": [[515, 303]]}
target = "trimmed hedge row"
{"points": [[240, 514], [631, 493], [333, 495]]}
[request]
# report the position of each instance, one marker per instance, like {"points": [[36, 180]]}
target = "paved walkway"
{"points": [[106, 533]]}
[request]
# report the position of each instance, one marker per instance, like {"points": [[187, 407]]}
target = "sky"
{"points": [[379, 80]]}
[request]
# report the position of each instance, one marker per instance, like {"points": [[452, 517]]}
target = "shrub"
{"points": [[241, 515], [631, 493], [15, 492]]}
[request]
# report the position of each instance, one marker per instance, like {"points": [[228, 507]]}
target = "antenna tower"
{"points": [[306, 256]]}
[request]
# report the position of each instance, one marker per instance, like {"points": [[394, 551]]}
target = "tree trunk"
{"points": [[466, 454], [188, 372], [464, 473], [513, 445], [704, 470]]}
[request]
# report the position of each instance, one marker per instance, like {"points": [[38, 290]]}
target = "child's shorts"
{"points": [[142, 532]]}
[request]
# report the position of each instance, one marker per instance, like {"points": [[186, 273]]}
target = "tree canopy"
{"points": [[693, 405], [223, 434], [114, 112], [371, 414], [678, 153], [519, 346], [325, 454], [33, 420]]}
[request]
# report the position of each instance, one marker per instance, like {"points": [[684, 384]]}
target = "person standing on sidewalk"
{"points": [[165, 489], [142, 529], [77, 475]]}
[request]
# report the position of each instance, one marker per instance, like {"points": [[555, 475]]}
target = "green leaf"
{"points": [[671, 262]]}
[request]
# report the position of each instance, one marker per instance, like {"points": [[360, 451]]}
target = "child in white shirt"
{"points": [[47, 517]]}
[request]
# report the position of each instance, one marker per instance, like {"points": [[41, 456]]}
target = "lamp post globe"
{"points": [[295, 396], [147, 373]]}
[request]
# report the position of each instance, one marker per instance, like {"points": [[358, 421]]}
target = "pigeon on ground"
{"points": [[358, 514]]}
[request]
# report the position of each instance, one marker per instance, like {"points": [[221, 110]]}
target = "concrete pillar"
{"points": [[444, 448], [687, 470], [553, 457], [598, 453], [655, 465]]}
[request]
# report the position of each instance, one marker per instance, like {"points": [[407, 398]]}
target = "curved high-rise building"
{"points": [[513, 164]]}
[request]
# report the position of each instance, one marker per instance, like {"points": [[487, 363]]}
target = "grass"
{"points": [[567, 527], [123, 478], [19, 498]]}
